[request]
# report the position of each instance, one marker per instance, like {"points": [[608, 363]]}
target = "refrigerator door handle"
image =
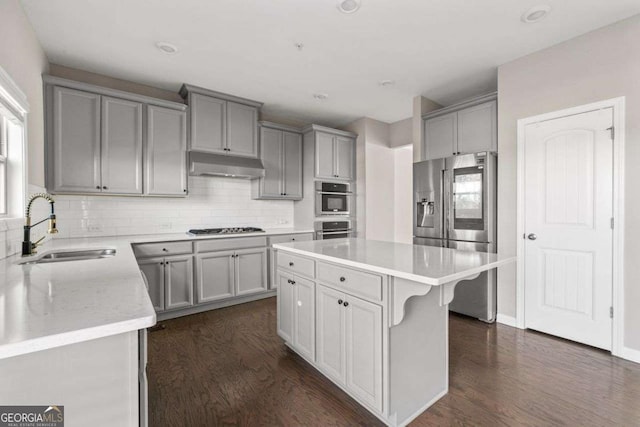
{"points": [[447, 193]]}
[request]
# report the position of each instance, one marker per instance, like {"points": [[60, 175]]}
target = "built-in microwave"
{"points": [[333, 198]]}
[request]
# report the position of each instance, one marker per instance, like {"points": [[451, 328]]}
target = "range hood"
{"points": [[203, 164]]}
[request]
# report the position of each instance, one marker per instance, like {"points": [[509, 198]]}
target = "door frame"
{"points": [[618, 106]]}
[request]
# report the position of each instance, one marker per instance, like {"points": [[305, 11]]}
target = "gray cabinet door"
{"points": [[330, 328], [165, 156], [440, 136], [121, 146], [215, 276], [477, 129], [364, 350], [325, 157], [271, 154], [207, 124], [242, 130], [285, 303], [251, 271], [292, 165], [178, 282], [75, 155], [153, 270], [344, 149]]}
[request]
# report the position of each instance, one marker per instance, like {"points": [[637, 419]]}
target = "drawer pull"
{"points": [[342, 279], [346, 304], [164, 250], [340, 302], [291, 264]]}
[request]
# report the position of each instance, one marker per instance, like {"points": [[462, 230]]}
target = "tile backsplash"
{"points": [[212, 202]]}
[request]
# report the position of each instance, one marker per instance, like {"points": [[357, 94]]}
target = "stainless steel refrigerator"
{"points": [[455, 207]]}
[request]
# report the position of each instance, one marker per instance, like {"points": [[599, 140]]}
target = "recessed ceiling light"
{"points": [[536, 14], [348, 6], [167, 48], [321, 96], [386, 82]]}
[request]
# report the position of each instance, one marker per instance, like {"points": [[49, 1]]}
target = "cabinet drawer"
{"points": [[295, 263], [288, 238], [227, 244], [356, 282], [162, 249]]}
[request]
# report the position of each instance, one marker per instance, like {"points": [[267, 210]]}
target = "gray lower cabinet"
{"points": [[96, 140], [166, 153], [170, 281], [226, 274], [281, 154], [296, 313]]}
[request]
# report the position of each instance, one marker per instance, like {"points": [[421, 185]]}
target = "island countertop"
{"points": [[53, 304], [424, 264]]}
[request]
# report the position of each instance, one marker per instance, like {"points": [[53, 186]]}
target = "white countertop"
{"points": [[424, 264], [53, 304]]}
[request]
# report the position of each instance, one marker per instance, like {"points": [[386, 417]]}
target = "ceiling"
{"points": [[446, 50]]}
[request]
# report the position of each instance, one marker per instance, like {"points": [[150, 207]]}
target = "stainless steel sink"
{"points": [[72, 255]]}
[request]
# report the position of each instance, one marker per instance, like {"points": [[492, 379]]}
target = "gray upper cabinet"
{"points": [[281, 155], [208, 132], [470, 127], [96, 141], [121, 158], [220, 123], [74, 150], [335, 153], [165, 156]]}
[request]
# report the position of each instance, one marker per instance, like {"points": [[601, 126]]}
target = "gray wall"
{"points": [[596, 66], [23, 59]]}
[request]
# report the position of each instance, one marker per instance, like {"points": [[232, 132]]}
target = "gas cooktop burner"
{"points": [[229, 230]]}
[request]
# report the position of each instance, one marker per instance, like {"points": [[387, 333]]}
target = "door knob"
{"points": [[532, 236]]}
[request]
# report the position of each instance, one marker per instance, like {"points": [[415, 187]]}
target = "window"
{"points": [[13, 115]]}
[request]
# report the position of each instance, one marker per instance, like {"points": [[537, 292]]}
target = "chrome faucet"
{"points": [[29, 248]]}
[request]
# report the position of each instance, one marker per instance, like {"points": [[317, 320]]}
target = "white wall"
{"points": [[403, 194], [599, 65]]}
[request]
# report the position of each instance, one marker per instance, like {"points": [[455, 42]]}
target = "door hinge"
{"points": [[613, 132], [611, 312], [612, 223]]}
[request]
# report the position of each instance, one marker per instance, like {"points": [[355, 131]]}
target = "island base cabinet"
{"points": [[296, 313], [95, 380], [349, 343]]}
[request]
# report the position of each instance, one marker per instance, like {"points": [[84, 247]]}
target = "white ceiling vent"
{"points": [[536, 14]]}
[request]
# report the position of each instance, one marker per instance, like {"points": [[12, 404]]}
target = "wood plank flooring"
{"points": [[228, 367]]}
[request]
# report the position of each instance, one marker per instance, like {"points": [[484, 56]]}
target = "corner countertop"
{"points": [[54, 304], [424, 264]]}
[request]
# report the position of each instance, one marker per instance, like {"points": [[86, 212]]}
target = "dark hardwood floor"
{"points": [[228, 367]]}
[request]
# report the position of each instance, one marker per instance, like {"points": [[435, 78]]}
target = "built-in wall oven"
{"points": [[338, 229], [333, 198]]}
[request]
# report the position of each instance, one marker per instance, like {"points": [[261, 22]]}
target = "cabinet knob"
{"points": [[342, 279], [290, 264], [293, 282], [104, 188], [164, 250], [346, 304], [97, 187], [293, 239], [340, 302], [185, 190]]}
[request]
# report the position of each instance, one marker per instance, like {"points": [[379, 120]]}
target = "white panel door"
{"points": [[330, 327], [285, 306], [568, 211], [364, 350], [304, 337]]}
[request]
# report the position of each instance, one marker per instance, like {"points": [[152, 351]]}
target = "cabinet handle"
{"points": [[164, 250], [346, 304], [340, 302], [342, 279], [185, 190], [291, 281], [290, 264], [104, 188], [97, 187]]}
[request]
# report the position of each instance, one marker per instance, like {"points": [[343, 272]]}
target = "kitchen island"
{"points": [[372, 316]]}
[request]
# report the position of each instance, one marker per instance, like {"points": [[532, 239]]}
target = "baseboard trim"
{"points": [[506, 320], [630, 354]]}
